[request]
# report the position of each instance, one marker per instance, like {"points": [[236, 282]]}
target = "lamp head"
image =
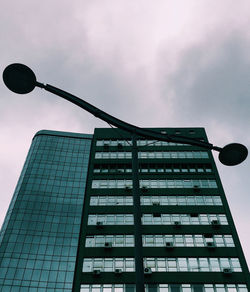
{"points": [[19, 78], [233, 154]]}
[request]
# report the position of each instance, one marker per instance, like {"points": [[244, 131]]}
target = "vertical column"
{"points": [[139, 270]]}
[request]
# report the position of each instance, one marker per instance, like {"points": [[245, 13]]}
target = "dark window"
{"points": [[130, 288], [198, 288], [194, 215], [175, 288], [152, 288]]}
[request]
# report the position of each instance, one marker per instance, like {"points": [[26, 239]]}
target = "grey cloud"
{"points": [[211, 89], [218, 90]]}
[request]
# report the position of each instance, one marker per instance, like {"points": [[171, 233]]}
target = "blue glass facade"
{"points": [[39, 237]]}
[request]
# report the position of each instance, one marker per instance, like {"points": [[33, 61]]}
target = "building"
{"points": [[70, 223], [39, 237]]}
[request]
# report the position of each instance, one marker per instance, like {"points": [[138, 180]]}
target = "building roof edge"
{"points": [[63, 134]]}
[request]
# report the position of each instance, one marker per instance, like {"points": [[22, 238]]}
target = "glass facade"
{"points": [[39, 237]]}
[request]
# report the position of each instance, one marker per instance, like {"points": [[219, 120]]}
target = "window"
{"points": [[150, 183], [183, 266], [214, 262], [198, 288], [113, 143], [165, 288], [113, 155], [204, 266], [158, 143], [152, 154], [172, 154], [112, 168], [190, 264], [181, 200], [110, 219], [111, 201], [185, 219], [108, 264]]}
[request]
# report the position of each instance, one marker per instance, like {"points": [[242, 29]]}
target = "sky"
{"points": [[165, 63]]}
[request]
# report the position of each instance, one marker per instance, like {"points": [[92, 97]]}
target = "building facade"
{"points": [[70, 225], [40, 234]]}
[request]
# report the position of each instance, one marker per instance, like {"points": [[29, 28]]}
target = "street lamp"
{"points": [[21, 79]]}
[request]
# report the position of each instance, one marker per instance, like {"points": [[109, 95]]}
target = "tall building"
{"points": [[70, 225], [39, 237]]}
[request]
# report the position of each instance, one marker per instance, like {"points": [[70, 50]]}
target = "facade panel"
{"points": [[189, 240], [39, 238]]}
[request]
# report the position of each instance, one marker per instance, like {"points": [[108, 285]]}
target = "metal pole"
{"points": [[146, 133], [139, 269]]}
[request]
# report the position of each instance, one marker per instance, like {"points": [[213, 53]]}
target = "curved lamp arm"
{"points": [[21, 79]]}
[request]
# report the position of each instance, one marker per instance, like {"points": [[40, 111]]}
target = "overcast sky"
{"points": [[151, 63]]}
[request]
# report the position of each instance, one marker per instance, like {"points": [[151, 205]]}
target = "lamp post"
{"points": [[21, 79]]}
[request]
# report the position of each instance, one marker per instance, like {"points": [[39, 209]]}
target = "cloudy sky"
{"points": [[151, 63]]}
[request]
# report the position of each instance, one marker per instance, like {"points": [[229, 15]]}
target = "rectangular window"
{"points": [[193, 265], [154, 183], [165, 288], [203, 263], [175, 288], [182, 262], [171, 265], [198, 288]]}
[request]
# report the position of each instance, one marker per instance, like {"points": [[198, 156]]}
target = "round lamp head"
{"points": [[19, 78], [233, 154]]}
